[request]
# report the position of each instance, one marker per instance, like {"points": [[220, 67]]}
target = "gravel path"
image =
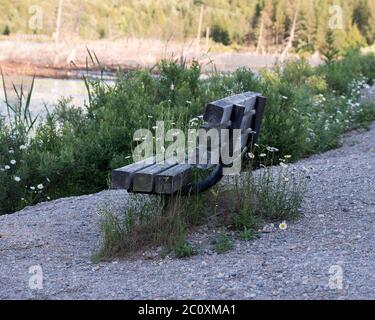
{"points": [[336, 234]]}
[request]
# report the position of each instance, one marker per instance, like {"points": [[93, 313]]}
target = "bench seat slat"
{"points": [[173, 179], [144, 180], [122, 178]]}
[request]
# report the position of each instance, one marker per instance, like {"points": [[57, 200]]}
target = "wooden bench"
{"points": [[243, 111]]}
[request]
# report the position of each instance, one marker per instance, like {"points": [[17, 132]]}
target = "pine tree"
{"points": [[361, 18], [330, 51]]}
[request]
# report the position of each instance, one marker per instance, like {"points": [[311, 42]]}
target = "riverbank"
{"points": [[70, 60]]}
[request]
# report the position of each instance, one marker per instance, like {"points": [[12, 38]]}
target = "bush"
{"points": [[222, 244], [184, 250], [6, 31], [248, 234], [220, 35]]}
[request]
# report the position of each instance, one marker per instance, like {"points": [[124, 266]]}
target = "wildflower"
{"points": [[23, 147], [32, 188], [6, 167], [128, 157], [172, 87], [150, 117], [284, 165], [272, 149], [11, 151], [283, 225], [285, 98], [17, 179], [188, 102], [13, 162], [288, 156], [262, 155], [40, 186], [251, 155], [154, 127]]}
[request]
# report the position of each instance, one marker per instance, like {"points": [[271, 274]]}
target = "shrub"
{"points": [[6, 31], [222, 244], [183, 250], [248, 234], [220, 35], [148, 222]]}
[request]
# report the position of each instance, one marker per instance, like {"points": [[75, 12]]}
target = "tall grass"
{"points": [[241, 204]]}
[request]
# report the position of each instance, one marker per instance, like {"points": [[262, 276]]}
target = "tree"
{"points": [[354, 38], [292, 34], [220, 35], [330, 51], [6, 31], [361, 18]]}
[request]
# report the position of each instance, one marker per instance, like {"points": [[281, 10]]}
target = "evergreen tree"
{"points": [[361, 18], [330, 51]]}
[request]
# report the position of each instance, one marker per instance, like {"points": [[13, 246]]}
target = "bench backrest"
{"points": [[242, 111]]}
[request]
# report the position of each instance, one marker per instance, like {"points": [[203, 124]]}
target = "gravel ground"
{"points": [[336, 233]]}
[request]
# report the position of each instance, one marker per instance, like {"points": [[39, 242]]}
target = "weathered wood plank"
{"points": [[220, 111], [144, 180], [250, 100], [203, 158], [257, 119], [247, 120], [122, 178], [173, 179], [238, 113]]}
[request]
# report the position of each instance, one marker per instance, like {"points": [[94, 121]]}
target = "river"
{"points": [[46, 92]]}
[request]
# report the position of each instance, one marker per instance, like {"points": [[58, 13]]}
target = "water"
{"points": [[46, 92]]}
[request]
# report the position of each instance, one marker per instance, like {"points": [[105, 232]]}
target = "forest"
{"points": [[264, 25]]}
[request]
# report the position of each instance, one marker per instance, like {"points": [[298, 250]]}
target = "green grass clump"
{"points": [[248, 234], [183, 250], [222, 244]]}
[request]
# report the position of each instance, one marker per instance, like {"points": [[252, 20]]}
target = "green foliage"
{"points": [[248, 234], [362, 19], [179, 19], [6, 31], [72, 151], [146, 222], [183, 250], [330, 51], [222, 244], [220, 35]]}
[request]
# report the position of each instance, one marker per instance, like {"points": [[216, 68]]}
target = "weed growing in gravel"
{"points": [[183, 250], [147, 222], [244, 204], [248, 234], [222, 244]]}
